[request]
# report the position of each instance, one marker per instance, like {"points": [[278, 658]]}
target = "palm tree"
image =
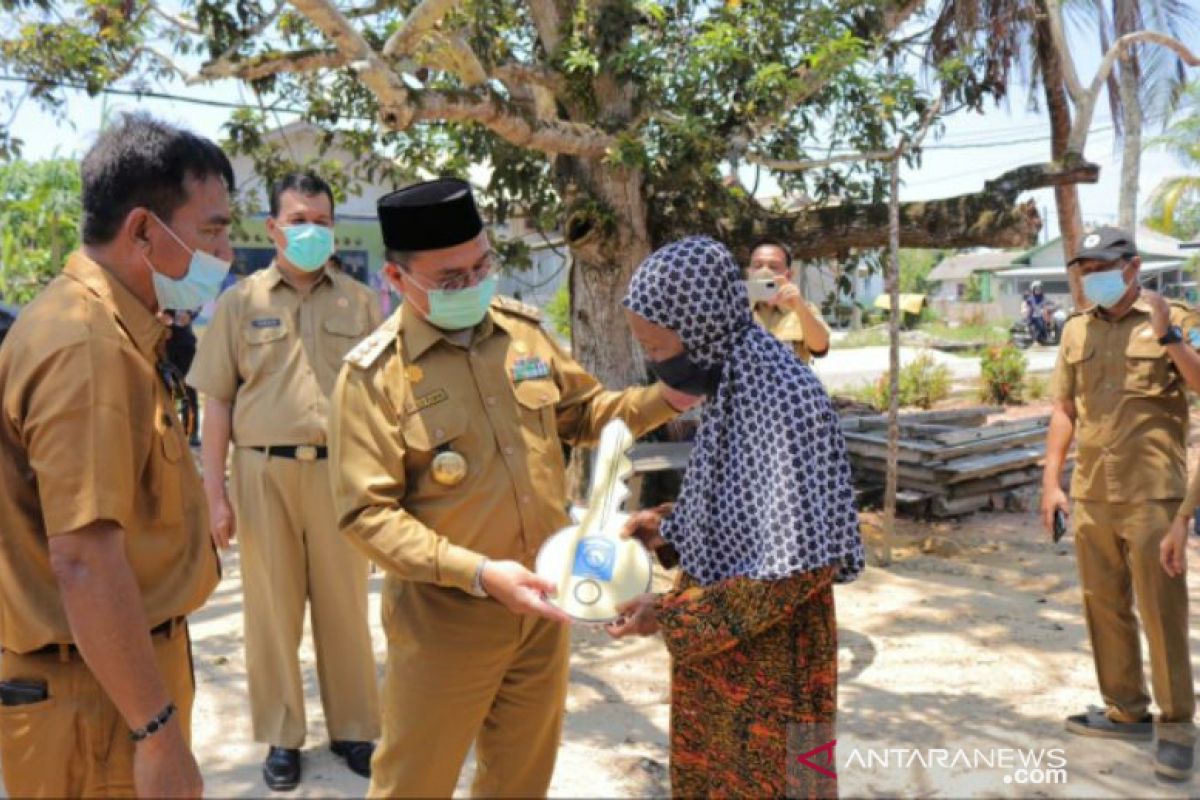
{"points": [[1175, 202]]}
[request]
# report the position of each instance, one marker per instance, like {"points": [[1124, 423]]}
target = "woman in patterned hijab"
{"points": [[764, 526]]}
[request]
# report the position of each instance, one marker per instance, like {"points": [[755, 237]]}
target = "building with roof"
{"points": [[1165, 269], [953, 273]]}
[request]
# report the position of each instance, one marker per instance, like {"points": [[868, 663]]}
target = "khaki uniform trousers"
{"points": [[292, 551], [465, 670], [1117, 547], [76, 743]]}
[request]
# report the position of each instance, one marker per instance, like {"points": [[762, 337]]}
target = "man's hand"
{"points": [[223, 522], [1173, 549], [163, 766], [1160, 312], [788, 296], [646, 526], [520, 591], [1053, 499], [639, 617]]}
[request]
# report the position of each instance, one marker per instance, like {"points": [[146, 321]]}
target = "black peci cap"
{"points": [[429, 216]]}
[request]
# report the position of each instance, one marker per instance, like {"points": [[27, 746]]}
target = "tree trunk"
{"points": [[893, 438], [606, 230], [1066, 197], [1131, 115]]}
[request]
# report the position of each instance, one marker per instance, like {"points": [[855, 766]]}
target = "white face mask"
{"points": [[201, 284]]}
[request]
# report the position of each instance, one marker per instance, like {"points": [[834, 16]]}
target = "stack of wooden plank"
{"points": [[951, 462]]}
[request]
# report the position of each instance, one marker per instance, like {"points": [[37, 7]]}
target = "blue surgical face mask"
{"points": [[462, 308], [309, 246], [200, 285], [1106, 288]]}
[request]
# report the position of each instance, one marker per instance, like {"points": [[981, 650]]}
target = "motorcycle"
{"points": [[1024, 334]]}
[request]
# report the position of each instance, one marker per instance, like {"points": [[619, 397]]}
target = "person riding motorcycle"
{"points": [[1035, 302]]}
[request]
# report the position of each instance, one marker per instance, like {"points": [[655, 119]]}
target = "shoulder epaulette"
{"points": [[518, 308], [367, 352]]}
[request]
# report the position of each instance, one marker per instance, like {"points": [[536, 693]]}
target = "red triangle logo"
{"points": [[826, 753]]}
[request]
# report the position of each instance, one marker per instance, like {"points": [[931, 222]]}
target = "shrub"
{"points": [[923, 382], [1037, 387], [1003, 374]]}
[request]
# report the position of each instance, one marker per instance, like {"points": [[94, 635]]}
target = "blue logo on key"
{"points": [[595, 557]]}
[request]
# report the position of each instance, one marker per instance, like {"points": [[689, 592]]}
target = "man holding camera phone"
{"points": [[780, 307]]}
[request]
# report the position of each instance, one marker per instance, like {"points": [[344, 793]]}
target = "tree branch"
{"points": [[1083, 99], [375, 73], [180, 22], [419, 21], [515, 75], [227, 58], [496, 114], [987, 218], [270, 64], [895, 153], [549, 23]]}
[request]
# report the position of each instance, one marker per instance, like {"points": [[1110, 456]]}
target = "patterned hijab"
{"points": [[767, 492]]}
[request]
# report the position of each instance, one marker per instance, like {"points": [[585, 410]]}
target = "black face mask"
{"points": [[684, 375]]}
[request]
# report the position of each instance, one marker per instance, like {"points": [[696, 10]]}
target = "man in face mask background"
{"points": [[787, 315], [266, 367], [1120, 384], [102, 517], [446, 442]]}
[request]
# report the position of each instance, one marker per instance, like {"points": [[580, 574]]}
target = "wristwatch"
{"points": [[1173, 336]]}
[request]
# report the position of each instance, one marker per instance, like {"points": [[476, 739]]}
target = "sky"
{"points": [[982, 146]]}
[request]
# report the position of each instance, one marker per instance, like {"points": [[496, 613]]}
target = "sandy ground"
{"points": [[977, 643]]}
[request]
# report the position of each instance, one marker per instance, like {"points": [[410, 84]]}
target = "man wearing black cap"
{"points": [[1120, 383], [446, 442]]}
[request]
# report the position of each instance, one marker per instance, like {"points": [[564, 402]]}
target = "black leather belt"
{"points": [[66, 651], [300, 452]]}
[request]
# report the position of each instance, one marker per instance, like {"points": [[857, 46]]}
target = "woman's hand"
{"points": [[1173, 550], [646, 526], [639, 617]]}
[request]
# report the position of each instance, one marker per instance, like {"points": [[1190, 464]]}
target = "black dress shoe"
{"points": [[357, 755], [281, 770]]}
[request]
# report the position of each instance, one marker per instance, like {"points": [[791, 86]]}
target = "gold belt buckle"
{"points": [[306, 452]]}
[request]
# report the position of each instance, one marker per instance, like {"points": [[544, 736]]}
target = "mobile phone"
{"points": [[1060, 524], [762, 289], [22, 693]]}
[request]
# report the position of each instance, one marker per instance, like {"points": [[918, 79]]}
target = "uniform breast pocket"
{"points": [[168, 463], [1084, 366], [1147, 367], [538, 400], [342, 333], [266, 344]]}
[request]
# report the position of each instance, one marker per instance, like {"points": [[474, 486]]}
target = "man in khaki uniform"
{"points": [[1120, 383], [266, 367], [104, 546], [787, 316], [447, 440]]}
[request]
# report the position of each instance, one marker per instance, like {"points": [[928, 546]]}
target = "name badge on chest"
{"points": [[531, 368]]}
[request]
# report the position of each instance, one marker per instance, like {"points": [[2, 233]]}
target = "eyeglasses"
{"points": [[459, 280], [176, 386]]}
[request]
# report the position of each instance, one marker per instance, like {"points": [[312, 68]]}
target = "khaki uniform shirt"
{"points": [[89, 433], [506, 403], [275, 353], [784, 325], [1130, 403]]}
